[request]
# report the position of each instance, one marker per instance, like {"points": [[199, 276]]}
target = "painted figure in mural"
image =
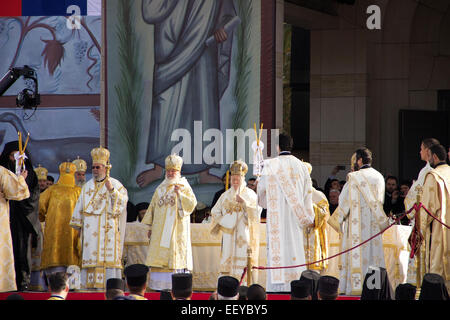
{"points": [[190, 75]]}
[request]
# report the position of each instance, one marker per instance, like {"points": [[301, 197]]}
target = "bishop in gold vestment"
{"points": [[236, 214], [316, 238], [56, 205], [169, 219], [100, 214], [11, 188], [435, 251]]}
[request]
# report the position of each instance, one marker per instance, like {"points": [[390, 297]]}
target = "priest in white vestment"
{"points": [[236, 215], [358, 217], [168, 216], [435, 249], [411, 198], [100, 214], [12, 187], [285, 189]]}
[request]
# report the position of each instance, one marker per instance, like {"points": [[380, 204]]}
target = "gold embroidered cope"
{"points": [[239, 223], [11, 188], [168, 216], [101, 217]]}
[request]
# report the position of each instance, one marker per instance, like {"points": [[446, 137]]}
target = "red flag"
{"points": [[11, 8]]}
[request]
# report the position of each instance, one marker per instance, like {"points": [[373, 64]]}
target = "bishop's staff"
{"points": [[258, 164], [108, 169]]}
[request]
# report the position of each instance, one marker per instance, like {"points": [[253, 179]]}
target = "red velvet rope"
{"points": [[431, 215], [414, 207], [340, 253], [336, 255]]}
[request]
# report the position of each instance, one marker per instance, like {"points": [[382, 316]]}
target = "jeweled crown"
{"points": [[100, 155], [41, 173], [67, 168], [238, 167], [80, 164], [174, 162]]}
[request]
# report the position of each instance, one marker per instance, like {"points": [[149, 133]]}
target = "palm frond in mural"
{"points": [[243, 66], [128, 94]]}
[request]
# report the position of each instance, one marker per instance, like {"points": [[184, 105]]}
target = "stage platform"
{"points": [[148, 295]]}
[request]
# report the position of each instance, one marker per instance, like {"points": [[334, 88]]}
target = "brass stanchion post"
{"points": [[308, 249], [249, 267], [418, 256]]}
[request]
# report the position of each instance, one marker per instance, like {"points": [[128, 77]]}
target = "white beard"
{"points": [[172, 180], [241, 187], [80, 183]]}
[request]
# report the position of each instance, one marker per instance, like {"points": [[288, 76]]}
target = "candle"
{"points": [[26, 142], [227, 180], [260, 132], [20, 141], [20, 148]]}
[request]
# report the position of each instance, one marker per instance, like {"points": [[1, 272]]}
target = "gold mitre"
{"points": [[238, 168], [353, 161], [309, 166], [67, 168], [174, 162], [41, 173], [100, 155], [80, 164]]}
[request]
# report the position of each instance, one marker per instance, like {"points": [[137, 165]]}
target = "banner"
{"points": [[10, 8]]}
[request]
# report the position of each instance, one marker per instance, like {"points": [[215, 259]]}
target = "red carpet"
{"points": [[150, 296]]}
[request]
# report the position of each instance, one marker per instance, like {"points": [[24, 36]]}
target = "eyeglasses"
{"points": [[96, 167]]}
